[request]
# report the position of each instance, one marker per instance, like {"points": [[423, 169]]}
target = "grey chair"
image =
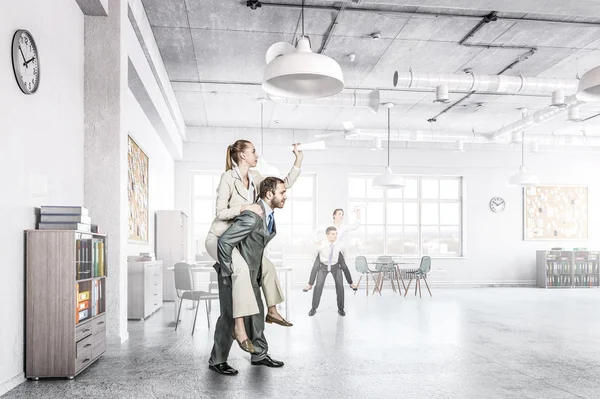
{"points": [[185, 288], [418, 274], [362, 266], [385, 265]]}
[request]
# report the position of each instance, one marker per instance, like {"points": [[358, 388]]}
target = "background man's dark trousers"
{"points": [[336, 272], [317, 266]]}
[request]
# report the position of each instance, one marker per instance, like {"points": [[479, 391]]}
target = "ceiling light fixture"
{"points": [[588, 88], [523, 178], [299, 73], [262, 166], [388, 180], [441, 94]]}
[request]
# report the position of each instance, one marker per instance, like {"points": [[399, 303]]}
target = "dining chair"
{"points": [[418, 274], [185, 288], [362, 266], [385, 265]]}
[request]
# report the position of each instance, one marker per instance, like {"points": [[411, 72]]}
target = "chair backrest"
{"points": [[361, 264], [213, 283], [384, 262], [184, 279], [425, 266]]}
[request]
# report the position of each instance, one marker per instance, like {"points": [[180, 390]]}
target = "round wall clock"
{"points": [[497, 204], [26, 64]]}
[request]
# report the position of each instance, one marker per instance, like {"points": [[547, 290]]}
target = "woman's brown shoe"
{"points": [[246, 346], [269, 319]]}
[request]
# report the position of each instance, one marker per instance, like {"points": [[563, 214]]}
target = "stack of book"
{"points": [[65, 218], [83, 305]]}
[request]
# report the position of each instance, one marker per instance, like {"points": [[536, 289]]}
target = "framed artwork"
{"points": [[137, 192], [556, 213]]}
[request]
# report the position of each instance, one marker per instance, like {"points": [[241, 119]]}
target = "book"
{"points": [[65, 226], [55, 218], [63, 210]]}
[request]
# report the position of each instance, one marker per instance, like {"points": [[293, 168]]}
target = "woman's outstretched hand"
{"points": [[299, 155]]}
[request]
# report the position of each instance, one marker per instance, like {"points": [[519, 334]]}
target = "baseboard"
{"points": [[456, 284], [12, 383]]}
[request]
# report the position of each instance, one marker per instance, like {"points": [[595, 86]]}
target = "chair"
{"points": [[362, 266], [418, 274], [385, 264], [185, 288]]}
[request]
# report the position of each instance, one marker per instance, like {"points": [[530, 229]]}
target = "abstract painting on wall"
{"points": [[556, 213], [137, 192]]}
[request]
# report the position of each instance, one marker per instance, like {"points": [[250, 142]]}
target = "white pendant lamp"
{"points": [[588, 88], [388, 180], [301, 74], [262, 166], [523, 178]]}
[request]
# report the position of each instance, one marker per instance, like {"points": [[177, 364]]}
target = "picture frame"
{"points": [[137, 192]]}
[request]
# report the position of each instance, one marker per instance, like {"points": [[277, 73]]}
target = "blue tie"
{"points": [[270, 223]]}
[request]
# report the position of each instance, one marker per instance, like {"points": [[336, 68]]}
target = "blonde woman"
{"points": [[237, 192]]}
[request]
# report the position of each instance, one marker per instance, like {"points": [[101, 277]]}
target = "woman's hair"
{"points": [[234, 151], [336, 211]]}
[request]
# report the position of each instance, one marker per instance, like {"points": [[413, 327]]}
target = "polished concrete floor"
{"points": [[462, 343]]}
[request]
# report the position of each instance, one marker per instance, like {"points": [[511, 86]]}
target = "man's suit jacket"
{"points": [[249, 234], [232, 194]]}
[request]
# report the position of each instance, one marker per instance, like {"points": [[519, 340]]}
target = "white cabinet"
{"points": [[144, 288], [171, 246]]}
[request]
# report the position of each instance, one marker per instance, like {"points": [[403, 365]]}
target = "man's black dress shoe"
{"points": [[312, 312], [341, 312], [223, 368], [267, 361]]}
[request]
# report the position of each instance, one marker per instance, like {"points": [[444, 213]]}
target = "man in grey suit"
{"points": [[250, 234]]}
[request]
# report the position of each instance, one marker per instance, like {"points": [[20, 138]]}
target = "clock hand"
{"points": [[32, 58], [25, 63]]}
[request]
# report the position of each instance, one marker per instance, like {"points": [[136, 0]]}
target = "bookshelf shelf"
{"points": [[65, 302], [568, 269]]}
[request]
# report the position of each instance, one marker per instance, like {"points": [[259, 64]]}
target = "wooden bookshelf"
{"points": [[65, 275], [568, 269]]}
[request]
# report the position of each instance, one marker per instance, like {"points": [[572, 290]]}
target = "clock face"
{"points": [[497, 204], [25, 62]]}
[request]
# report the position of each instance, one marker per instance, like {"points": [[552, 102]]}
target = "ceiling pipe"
{"points": [[541, 116], [483, 83], [368, 100]]}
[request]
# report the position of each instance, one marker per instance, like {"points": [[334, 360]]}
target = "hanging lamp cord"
{"points": [[262, 134], [302, 12], [388, 162], [523, 149]]}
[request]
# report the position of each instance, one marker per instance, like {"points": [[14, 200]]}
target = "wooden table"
{"points": [[379, 283]]}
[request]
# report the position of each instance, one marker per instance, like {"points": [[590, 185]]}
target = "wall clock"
{"points": [[26, 64], [497, 204]]}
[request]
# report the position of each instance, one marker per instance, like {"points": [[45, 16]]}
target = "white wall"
{"points": [[41, 149], [161, 183], [494, 250]]}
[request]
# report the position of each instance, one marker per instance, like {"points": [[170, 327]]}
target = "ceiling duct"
{"points": [[484, 83], [368, 100]]}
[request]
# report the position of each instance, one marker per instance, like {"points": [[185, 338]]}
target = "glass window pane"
{"points": [[395, 240], [356, 187], [411, 240], [450, 240], [350, 214], [200, 232], [430, 213], [449, 189], [431, 240], [203, 185], [410, 188], [411, 213], [394, 193], [373, 192], [450, 213], [430, 188], [303, 187], [374, 240], [216, 181], [303, 212], [204, 210], [394, 212], [355, 242], [374, 213], [284, 215]]}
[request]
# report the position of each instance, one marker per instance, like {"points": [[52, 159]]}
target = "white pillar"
{"points": [[106, 150]]}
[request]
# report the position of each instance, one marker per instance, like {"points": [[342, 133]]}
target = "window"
{"points": [[204, 195], [296, 221], [423, 218]]}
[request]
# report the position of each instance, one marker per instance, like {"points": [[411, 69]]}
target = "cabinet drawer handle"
{"points": [[87, 346], [85, 360], [86, 330], [155, 294], [156, 304], [100, 322]]}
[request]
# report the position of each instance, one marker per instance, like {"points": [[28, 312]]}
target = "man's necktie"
{"points": [[330, 257], [270, 221]]}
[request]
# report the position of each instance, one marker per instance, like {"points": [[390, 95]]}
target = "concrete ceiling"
{"points": [[214, 52]]}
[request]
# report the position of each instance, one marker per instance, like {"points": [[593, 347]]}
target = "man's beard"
{"points": [[275, 203]]}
